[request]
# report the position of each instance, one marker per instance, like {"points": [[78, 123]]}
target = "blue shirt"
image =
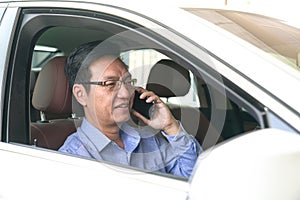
{"points": [[143, 149]]}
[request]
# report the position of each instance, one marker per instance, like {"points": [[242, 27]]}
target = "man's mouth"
{"points": [[125, 105]]}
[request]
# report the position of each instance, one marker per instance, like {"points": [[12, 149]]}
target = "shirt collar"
{"points": [[130, 136], [95, 136]]}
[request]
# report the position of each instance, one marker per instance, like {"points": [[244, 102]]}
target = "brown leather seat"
{"points": [[52, 96], [169, 79]]}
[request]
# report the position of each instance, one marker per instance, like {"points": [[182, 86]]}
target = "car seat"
{"points": [[169, 79], [52, 95]]}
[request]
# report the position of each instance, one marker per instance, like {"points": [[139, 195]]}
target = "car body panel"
{"points": [[40, 174], [264, 168], [6, 26], [2, 10]]}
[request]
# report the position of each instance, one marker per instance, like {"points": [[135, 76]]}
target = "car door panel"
{"points": [[55, 176]]}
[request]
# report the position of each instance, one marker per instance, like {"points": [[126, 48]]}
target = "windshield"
{"points": [[271, 35]]}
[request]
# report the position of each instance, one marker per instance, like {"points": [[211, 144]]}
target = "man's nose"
{"points": [[124, 92]]}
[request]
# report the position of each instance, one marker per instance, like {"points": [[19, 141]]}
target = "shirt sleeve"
{"points": [[181, 153]]}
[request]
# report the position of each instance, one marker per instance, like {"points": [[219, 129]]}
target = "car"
{"points": [[235, 92]]}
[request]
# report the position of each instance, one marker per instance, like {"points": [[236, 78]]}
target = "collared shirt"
{"points": [[142, 148]]}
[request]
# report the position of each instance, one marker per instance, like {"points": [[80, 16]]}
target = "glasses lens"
{"points": [[112, 84], [130, 82], [116, 84]]}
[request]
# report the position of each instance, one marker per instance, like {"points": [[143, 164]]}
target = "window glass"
{"points": [[276, 122], [223, 113], [42, 54]]}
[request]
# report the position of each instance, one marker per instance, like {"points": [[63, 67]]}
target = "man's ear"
{"points": [[80, 94]]}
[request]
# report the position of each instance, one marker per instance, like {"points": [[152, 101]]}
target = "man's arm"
{"points": [[181, 153]]}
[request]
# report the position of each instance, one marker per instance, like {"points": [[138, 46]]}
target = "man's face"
{"points": [[108, 105]]}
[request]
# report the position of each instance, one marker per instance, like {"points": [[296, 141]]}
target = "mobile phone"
{"points": [[141, 106]]}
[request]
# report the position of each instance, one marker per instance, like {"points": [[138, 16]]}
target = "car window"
{"points": [[42, 54], [276, 122]]}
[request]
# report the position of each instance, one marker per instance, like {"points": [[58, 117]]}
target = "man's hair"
{"points": [[78, 62], [75, 60]]}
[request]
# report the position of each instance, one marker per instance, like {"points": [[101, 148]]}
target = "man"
{"points": [[105, 89]]}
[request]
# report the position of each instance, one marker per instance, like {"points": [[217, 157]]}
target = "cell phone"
{"points": [[141, 106]]}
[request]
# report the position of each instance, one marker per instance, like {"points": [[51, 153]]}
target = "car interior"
{"points": [[51, 114], [52, 108]]}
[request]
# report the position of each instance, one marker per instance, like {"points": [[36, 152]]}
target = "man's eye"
{"points": [[110, 84]]}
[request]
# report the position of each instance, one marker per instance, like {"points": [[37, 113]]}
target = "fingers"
{"points": [[138, 115], [148, 95]]}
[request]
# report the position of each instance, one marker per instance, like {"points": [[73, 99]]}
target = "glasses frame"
{"points": [[117, 86]]}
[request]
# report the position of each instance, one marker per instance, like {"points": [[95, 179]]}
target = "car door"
{"points": [[60, 176]]}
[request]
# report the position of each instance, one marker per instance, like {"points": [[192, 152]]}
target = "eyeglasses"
{"points": [[113, 84]]}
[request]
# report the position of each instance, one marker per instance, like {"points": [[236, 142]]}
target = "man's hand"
{"points": [[161, 117]]}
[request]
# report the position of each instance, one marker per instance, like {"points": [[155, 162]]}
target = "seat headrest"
{"points": [[51, 92], [168, 79]]}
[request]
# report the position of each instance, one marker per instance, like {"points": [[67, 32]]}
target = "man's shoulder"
{"points": [[72, 144]]}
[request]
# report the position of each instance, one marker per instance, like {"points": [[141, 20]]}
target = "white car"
{"points": [[237, 95]]}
